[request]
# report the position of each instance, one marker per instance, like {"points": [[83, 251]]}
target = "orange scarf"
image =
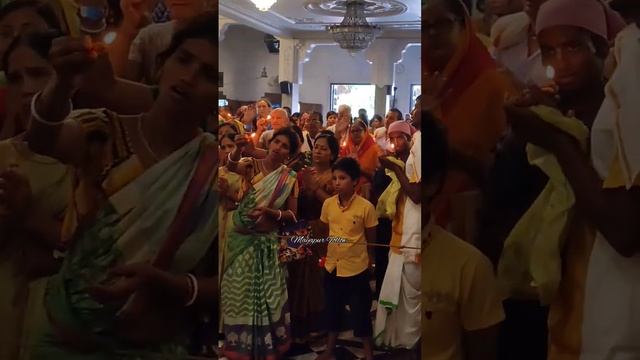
{"points": [[472, 112], [367, 153]]}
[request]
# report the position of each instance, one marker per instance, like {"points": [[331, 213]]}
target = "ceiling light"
{"points": [[354, 33], [263, 5]]}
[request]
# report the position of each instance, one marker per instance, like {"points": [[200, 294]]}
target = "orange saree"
{"points": [[367, 154], [472, 113]]}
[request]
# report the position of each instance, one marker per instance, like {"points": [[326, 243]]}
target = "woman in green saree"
{"points": [[254, 290], [143, 218]]}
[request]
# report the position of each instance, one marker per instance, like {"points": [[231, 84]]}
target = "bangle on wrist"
{"points": [[37, 117], [193, 290], [279, 215], [95, 32], [231, 160], [293, 216]]}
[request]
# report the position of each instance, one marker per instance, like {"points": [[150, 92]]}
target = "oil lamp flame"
{"points": [[551, 72], [110, 37]]}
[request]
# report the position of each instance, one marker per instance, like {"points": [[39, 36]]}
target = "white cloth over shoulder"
{"points": [[617, 127]]}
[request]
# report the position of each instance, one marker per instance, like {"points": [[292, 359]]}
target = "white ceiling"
{"points": [[294, 18]]}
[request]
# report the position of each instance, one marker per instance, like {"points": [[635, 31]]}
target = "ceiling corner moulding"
{"points": [[371, 8], [245, 18]]}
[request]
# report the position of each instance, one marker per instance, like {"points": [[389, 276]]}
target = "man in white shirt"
{"points": [[309, 136]]}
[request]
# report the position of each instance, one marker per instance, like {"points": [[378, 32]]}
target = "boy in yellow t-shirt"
{"points": [[352, 222], [461, 304]]}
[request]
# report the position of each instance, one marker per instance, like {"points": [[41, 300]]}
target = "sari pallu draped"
{"points": [[131, 227], [472, 113], [254, 289]]}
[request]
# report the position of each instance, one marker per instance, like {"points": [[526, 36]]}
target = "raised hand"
{"points": [[72, 57], [248, 115], [532, 96], [529, 127], [262, 124], [388, 164], [134, 14], [304, 119], [242, 142]]}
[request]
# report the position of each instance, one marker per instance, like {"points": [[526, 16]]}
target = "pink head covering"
{"points": [[401, 126], [592, 15]]}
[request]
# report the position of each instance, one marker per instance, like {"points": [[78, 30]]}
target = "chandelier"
{"points": [[263, 5], [354, 32]]}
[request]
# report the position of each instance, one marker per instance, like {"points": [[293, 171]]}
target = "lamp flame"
{"points": [[551, 72], [110, 37]]}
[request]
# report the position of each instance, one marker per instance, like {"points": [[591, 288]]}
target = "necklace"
{"points": [[144, 139]]}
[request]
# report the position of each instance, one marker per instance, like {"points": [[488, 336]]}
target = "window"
{"points": [[358, 96], [416, 90]]}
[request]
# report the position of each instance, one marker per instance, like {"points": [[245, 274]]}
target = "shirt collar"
{"points": [[343, 208]]}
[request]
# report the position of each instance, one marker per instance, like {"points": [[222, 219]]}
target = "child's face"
{"points": [[342, 182], [331, 120], [227, 146]]}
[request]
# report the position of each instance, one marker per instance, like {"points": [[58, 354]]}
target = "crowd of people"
{"points": [[295, 176]]}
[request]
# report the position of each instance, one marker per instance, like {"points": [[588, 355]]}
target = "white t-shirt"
{"points": [[265, 138], [306, 145], [150, 42], [380, 135]]}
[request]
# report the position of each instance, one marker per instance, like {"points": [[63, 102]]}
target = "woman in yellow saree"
{"points": [[466, 91], [34, 192]]}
